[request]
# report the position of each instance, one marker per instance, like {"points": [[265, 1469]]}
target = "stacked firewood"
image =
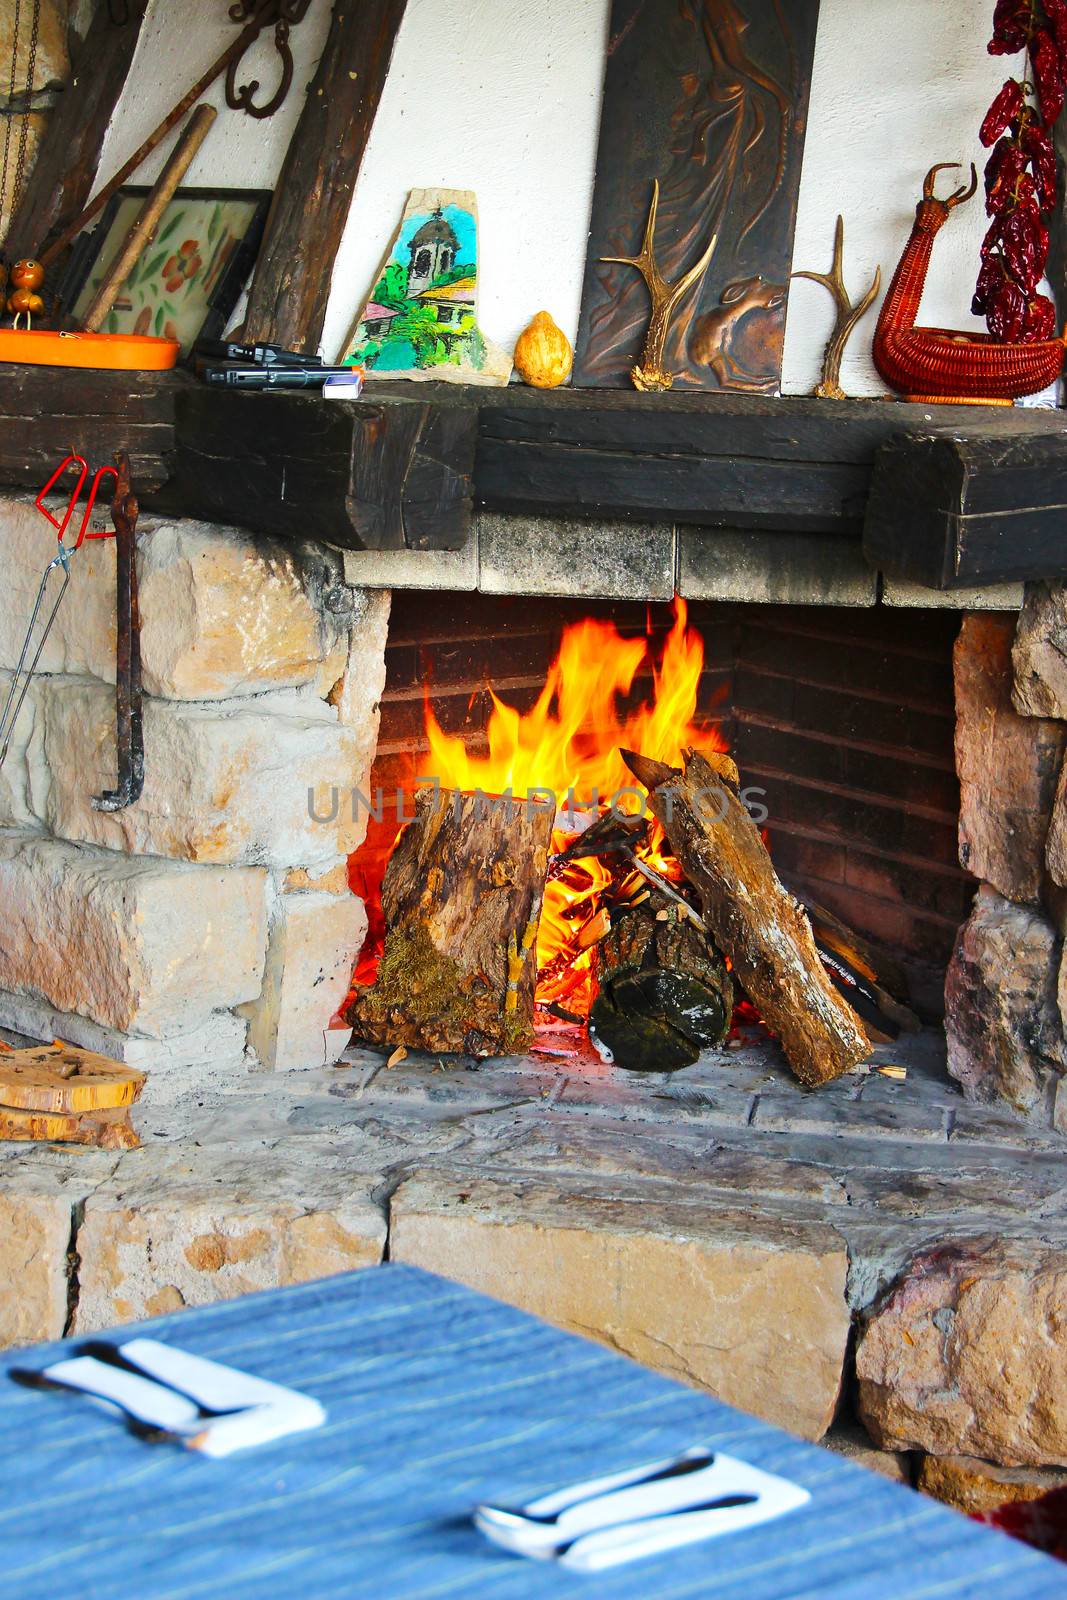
{"points": [[462, 897]]}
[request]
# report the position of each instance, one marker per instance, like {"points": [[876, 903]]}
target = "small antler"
{"points": [[649, 373], [848, 315], [958, 196]]}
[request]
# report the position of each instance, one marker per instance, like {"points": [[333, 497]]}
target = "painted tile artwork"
{"points": [[421, 320]]}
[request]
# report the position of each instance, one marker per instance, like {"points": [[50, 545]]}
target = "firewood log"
{"points": [[462, 901], [665, 993], [756, 922]]}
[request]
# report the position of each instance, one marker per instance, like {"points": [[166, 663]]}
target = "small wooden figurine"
{"points": [[26, 278]]}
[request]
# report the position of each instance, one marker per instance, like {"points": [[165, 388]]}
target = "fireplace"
{"points": [[720, 1221]]}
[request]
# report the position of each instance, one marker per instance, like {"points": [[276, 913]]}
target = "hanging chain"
{"points": [[20, 159], [6, 180], [10, 99]]}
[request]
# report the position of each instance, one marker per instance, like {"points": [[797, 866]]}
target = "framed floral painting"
{"points": [[187, 281]]}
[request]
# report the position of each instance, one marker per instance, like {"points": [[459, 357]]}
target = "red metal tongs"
{"points": [[23, 674]]}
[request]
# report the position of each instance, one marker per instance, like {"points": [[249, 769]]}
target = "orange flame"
{"points": [[569, 744]]}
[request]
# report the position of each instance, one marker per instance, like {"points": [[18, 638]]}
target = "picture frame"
{"points": [[188, 280]]}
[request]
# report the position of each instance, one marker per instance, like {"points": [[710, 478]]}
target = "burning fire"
{"points": [[569, 743]]}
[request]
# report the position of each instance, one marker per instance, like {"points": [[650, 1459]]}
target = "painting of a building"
{"points": [[422, 311]]}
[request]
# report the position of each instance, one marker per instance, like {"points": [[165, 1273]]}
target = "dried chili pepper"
{"points": [[1056, 17], [1005, 166], [1003, 112], [1020, 175], [1045, 60], [1024, 246], [1040, 319], [1007, 312], [1040, 152], [1012, 21], [990, 276]]}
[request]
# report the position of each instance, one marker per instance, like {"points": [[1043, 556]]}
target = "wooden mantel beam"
{"points": [[287, 304], [62, 178]]}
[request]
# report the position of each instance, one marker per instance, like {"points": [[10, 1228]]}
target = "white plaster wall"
{"points": [[179, 41], [502, 96]]}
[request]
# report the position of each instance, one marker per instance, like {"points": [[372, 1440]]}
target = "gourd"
{"points": [[543, 354]]}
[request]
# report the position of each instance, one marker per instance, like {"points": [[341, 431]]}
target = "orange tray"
{"points": [[127, 352]]}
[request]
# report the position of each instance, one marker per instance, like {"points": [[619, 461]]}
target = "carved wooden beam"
{"points": [[62, 176], [287, 304]]}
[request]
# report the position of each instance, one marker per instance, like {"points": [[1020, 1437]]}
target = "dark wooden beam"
{"points": [[715, 460], [44, 413], [972, 506], [287, 304], [363, 475], [62, 177]]}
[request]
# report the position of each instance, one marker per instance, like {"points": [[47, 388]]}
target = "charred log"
{"points": [[665, 993]]}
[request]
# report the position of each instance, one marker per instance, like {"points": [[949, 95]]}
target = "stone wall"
{"points": [[1006, 990], [215, 913]]}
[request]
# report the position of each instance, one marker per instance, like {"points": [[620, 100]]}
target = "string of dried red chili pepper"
{"points": [[1020, 176]]}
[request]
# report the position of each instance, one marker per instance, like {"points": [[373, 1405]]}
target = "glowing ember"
{"points": [[569, 744]]}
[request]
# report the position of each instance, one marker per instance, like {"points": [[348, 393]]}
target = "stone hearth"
{"points": [[720, 1224]]}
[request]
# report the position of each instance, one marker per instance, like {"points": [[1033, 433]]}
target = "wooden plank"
{"points": [[362, 475], [711, 99], [287, 304], [726, 461], [62, 177], [45, 413], [954, 509]]}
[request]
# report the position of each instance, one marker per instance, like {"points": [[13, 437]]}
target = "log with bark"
{"points": [[462, 902], [665, 993], [752, 917]]}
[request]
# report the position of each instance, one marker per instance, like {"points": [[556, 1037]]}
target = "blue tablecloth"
{"points": [[438, 1398]]}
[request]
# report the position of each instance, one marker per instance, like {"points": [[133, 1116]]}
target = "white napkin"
{"points": [[177, 1384], [605, 1522]]}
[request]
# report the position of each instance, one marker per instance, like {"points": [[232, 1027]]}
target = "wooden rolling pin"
{"points": [[144, 227]]}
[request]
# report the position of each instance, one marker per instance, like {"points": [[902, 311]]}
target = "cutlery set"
{"points": [[167, 1395], [660, 1506]]}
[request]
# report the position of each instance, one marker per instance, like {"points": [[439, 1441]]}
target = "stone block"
{"points": [[965, 1355], [787, 569], [1039, 655], [901, 592], [575, 558], [1008, 765], [82, 639], [171, 1232], [1002, 1016], [217, 1043], [848, 1439], [415, 569], [147, 946], [312, 946], [35, 1222], [753, 1311], [223, 783], [23, 773], [975, 1487], [221, 614]]}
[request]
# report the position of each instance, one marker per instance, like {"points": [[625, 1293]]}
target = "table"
{"points": [[437, 1398]]}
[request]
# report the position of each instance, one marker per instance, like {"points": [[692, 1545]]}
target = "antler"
{"points": [[848, 315], [649, 373], [958, 197]]}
